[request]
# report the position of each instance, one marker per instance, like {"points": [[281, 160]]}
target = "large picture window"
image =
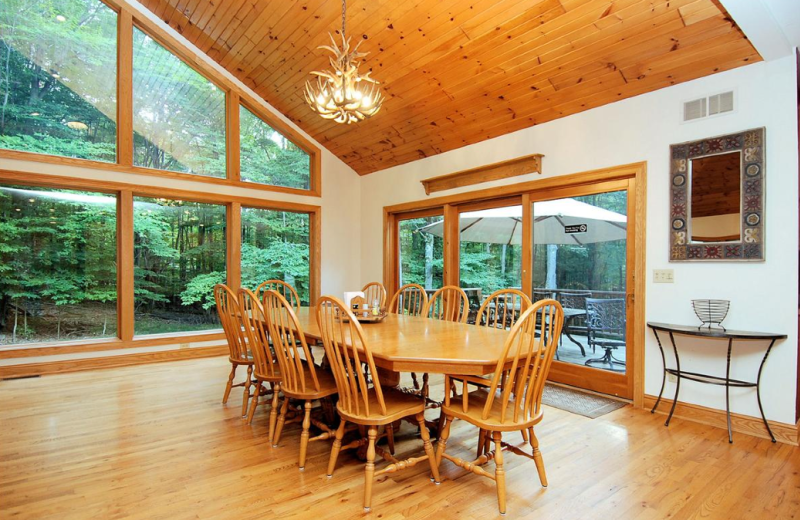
{"points": [[178, 114], [179, 255], [275, 245], [58, 81], [267, 157], [58, 262]]}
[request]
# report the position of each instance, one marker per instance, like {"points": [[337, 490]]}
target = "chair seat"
{"points": [[398, 405], [474, 414], [327, 385], [248, 361], [609, 343]]}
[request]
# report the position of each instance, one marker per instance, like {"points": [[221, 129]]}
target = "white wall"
{"points": [[763, 295]]}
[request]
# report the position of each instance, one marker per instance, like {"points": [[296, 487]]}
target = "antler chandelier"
{"points": [[342, 94]]}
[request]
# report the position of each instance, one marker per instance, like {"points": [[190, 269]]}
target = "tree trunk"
{"points": [[16, 321], [503, 251], [428, 261], [552, 254]]}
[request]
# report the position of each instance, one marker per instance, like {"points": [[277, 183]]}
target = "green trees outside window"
{"points": [[178, 115], [421, 254], [494, 262], [267, 157], [58, 78], [275, 245], [179, 255], [58, 257]]}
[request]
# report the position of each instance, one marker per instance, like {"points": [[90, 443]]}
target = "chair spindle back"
{"points": [[283, 288], [375, 291], [530, 347], [231, 320], [410, 299], [450, 303], [502, 309], [346, 350], [257, 333], [289, 341]]}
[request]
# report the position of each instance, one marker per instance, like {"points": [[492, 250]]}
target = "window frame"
{"points": [[128, 18], [125, 193]]}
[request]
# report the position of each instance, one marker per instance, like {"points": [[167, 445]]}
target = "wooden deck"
{"points": [[154, 442]]}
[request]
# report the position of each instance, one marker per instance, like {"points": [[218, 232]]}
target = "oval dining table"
{"points": [[402, 343]]}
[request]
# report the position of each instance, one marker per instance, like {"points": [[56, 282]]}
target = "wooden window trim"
{"points": [[125, 193], [127, 18], [633, 176]]}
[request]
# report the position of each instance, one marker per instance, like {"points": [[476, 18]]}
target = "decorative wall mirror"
{"points": [[717, 198]]}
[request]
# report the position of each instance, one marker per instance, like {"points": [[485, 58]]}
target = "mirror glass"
{"points": [[715, 209]]}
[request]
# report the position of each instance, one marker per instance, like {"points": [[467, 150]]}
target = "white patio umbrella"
{"points": [[552, 219]]}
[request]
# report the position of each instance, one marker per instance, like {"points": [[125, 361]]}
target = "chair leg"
{"points": [[524, 435], [273, 412], [246, 396], [443, 436], [230, 383], [499, 472], [337, 446], [254, 402], [304, 435], [281, 420], [390, 437], [481, 442], [426, 443], [369, 469], [414, 379], [537, 458]]}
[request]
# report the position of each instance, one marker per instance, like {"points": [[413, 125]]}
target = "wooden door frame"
{"points": [[636, 176]]}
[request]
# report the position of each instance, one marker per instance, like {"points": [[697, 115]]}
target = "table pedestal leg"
{"points": [[678, 382], [758, 391], [728, 391], [664, 376]]}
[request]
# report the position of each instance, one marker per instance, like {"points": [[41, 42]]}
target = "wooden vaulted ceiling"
{"points": [[456, 72]]}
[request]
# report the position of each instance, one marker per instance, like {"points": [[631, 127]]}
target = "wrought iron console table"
{"points": [[730, 335]]}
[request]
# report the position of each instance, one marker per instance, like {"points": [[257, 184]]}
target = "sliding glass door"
{"points": [[580, 258]]}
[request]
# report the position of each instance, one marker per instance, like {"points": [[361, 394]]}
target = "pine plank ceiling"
{"points": [[456, 72]]}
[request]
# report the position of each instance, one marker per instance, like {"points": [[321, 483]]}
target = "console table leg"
{"points": [[758, 391], [678, 382], [664, 376], [728, 391]]}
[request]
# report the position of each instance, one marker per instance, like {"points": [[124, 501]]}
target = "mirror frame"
{"points": [[750, 247]]}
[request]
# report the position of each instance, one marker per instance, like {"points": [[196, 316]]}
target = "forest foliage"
{"points": [[58, 248]]}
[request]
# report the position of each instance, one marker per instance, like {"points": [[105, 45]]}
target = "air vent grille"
{"points": [[720, 103], [708, 106], [694, 109]]}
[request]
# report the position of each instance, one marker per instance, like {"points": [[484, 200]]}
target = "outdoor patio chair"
{"points": [[605, 322]]}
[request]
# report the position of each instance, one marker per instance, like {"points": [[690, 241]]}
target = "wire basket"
{"points": [[711, 312]]}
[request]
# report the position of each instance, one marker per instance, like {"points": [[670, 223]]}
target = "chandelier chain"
{"points": [[344, 13]]}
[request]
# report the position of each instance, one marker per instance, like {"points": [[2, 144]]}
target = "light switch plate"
{"points": [[663, 276]]}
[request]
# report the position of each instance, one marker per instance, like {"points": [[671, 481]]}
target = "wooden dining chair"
{"points": [[361, 403], [230, 317], [265, 369], [283, 288], [502, 308], [410, 299], [500, 311], [525, 362], [450, 303], [301, 378], [375, 291]]}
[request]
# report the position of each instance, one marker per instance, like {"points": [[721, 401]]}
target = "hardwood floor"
{"points": [[154, 442]]}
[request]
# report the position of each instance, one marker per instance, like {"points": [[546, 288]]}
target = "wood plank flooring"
{"points": [[154, 442]]}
